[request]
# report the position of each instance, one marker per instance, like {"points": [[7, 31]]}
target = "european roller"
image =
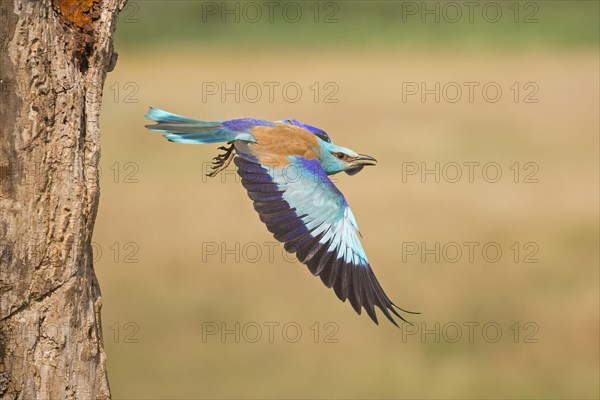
{"points": [[285, 167]]}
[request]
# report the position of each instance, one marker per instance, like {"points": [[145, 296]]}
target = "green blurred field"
{"points": [[155, 308]]}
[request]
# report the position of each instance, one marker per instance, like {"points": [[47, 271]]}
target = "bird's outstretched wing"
{"points": [[303, 209]]}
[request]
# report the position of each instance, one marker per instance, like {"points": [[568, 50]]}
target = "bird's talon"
{"points": [[222, 161]]}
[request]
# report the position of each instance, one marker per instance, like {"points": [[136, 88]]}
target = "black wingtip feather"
{"points": [[334, 270], [406, 311], [368, 301], [354, 290]]}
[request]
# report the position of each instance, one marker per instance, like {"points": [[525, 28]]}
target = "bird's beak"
{"points": [[359, 162], [364, 160]]}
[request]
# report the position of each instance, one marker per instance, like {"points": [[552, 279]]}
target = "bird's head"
{"points": [[337, 159]]}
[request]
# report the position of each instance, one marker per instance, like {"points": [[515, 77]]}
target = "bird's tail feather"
{"points": [[180, 129]]}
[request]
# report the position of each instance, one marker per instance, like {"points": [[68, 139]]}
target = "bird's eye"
{"points": [[341, 156]]}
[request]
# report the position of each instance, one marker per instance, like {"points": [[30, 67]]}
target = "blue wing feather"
{"points": [[311, 216]]}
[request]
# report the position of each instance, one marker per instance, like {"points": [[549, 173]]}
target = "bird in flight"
{"points": [[285, 167]]}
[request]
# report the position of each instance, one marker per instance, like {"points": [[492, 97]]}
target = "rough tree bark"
{"points": [[54, 56]]}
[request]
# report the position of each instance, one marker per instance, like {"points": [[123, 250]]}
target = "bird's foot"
{"points": [[222, 161]]}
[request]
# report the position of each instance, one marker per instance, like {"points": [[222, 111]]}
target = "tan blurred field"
{"points": [[170, 295]]}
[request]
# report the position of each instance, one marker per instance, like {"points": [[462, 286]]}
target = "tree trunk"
{"points": [[54, 56]]}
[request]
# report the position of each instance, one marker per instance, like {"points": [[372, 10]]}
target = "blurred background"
{"points": [[482, 213]]}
